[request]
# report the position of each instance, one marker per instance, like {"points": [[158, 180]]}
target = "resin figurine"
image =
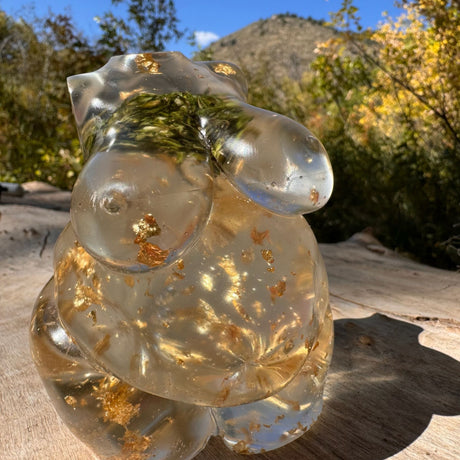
{"points": [[189, 297]]}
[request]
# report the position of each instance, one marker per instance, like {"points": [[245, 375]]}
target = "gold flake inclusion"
{"points": [[224, 69], [259, 237], [146, 228], [146, 63]]}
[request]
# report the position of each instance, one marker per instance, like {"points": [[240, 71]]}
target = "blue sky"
{"points": [[209, 18]]}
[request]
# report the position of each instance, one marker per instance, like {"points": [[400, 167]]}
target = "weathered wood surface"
{"points": [[394, 384]]}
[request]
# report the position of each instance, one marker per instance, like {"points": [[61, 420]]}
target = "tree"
{"points": [[38, 139], [386, 105], [150, 24], [393, 99]]}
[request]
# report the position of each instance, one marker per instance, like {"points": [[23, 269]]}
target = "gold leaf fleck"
{"points": [[247, 255], [115, 401], [70, 400], [267, 255], [140, 324], [151, 255], [85, 296], [92, 315], [147, 64], [145, 228], [224, 69], [277, 290], [180, 264]]}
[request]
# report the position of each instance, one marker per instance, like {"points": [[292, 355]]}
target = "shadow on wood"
{"points": [[382, 392]]}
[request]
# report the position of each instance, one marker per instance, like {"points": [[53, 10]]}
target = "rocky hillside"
{"points": [[282, 45]]}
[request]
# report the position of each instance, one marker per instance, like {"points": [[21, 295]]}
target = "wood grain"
{"points": [[394, 386]]}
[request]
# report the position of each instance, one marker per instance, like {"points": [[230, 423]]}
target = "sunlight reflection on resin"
{"points": [[189, 297]]}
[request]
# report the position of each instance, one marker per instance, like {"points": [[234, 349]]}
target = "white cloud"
{"points": [[204, 38]]}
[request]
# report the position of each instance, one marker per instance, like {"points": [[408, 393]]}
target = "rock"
{"points": [[40, 194]]}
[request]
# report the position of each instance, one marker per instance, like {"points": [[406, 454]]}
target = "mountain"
{"points": [[282, 45]]}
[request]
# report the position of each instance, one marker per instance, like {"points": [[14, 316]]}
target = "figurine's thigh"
{"points": [[112, 417], [273, 422]]}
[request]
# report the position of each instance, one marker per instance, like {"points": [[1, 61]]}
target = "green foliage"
{"points": [[386, 105], [149, 25], [38, 139], [170, 124]]}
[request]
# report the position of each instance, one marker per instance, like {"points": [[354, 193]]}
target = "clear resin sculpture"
{"points": [[189, 297]]}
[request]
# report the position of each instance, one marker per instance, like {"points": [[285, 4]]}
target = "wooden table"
{"points": [[394, 384]]}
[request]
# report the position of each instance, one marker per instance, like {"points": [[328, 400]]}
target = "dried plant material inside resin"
{"points": [[241, 448], [222, 396]]}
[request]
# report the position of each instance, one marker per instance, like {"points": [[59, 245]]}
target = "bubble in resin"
{"points": [[188, 289]]}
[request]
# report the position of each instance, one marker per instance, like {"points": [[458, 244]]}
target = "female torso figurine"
{"points": [[189, 296]]}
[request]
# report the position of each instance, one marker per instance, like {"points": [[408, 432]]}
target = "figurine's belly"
{"points": [[230, 322]]}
